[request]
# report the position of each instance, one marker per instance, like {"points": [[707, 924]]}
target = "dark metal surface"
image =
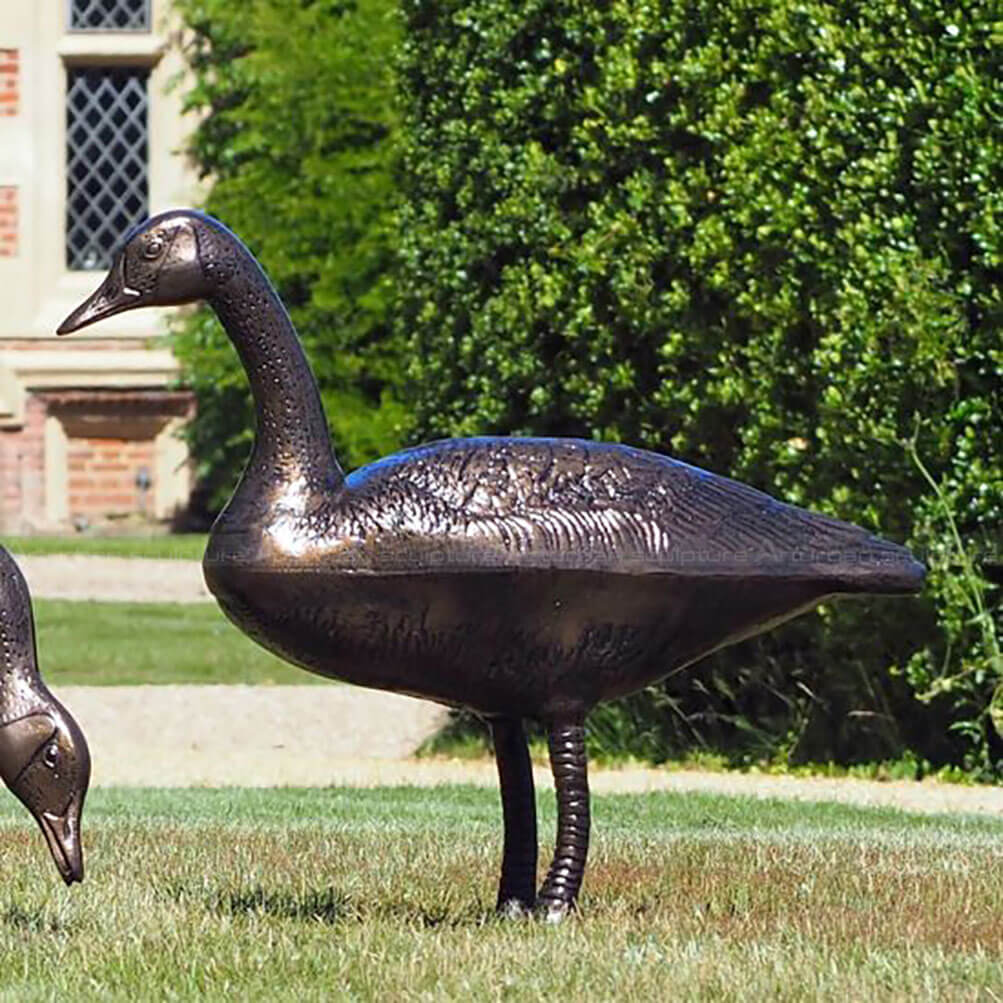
{"points": [[566, 741], [517, 886], [516, 577], [44, 758]]}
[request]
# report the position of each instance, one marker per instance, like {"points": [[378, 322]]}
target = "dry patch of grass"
{"points": [[836, 895], [387, 894]]}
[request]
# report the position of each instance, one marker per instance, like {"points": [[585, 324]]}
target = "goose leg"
{"points": [[567, 760], [517, 889]]}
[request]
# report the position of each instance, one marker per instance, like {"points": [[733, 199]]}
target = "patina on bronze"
{"points": [[516, 577], [44, 758]]}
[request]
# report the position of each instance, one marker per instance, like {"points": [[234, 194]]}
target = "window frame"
{"points": [[102, 29], [99, 239], [35, 160]]}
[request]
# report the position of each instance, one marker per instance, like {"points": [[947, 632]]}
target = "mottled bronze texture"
{"points": [[44, 758], [515, 577]]}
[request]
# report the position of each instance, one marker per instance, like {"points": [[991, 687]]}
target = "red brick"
{"points": [[10, 75], [8, 219], [114, 500]]}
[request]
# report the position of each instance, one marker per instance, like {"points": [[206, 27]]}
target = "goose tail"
{"points": [[849, 559], [878, 567]]}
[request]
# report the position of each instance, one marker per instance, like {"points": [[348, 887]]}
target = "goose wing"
{"points": [[565, 503]]}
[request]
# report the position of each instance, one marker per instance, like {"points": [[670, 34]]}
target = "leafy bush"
{"points": [[763, 237], [297, 141]]}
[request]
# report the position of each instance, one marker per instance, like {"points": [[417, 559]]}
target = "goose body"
{"points": [[516, 577], [529, 576], [44, 758]]}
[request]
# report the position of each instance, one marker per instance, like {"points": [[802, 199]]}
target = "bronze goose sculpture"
{"points": [[516, 577], [44, 758]]}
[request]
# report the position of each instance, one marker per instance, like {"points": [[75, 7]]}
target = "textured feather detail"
{"points": [[577, 504]]}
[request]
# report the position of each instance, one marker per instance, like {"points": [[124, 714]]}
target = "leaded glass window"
{"points": [[109, 15], [106, 160]]}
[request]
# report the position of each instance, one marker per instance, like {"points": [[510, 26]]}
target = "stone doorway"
{"points": [[114, 458]]}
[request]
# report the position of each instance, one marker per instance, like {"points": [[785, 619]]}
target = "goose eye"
{"points": [[51, 757], [153, 248]]}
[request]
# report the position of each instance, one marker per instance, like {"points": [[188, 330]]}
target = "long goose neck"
{"points": [[292, 455]]}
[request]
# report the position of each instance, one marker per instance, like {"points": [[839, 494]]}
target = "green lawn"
{"points": [[387, 895], [182, 546], [118, 644]]}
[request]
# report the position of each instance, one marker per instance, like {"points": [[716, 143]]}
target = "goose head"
{"points": [[177, 257], [45, 762]]}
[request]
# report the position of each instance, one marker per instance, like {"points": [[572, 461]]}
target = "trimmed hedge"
{"points": [[765, 238], [297, 131]]}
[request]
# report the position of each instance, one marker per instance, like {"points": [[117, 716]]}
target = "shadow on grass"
{"points": [[332, 907], [31, 920], [320, 906]]}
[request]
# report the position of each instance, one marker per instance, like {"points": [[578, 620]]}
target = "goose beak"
{"points": [[111, 297], [62, 833]]}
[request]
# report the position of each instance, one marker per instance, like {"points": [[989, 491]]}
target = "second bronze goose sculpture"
{"points": [[44, 758], [516, 577]]}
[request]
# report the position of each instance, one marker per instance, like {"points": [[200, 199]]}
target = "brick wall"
{"points": [[22, 470], [10, 104], [108, 437], [8, 221], [10, 84], [102, 476]]}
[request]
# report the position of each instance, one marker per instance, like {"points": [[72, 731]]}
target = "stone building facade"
{"points": [[89, 134]]}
